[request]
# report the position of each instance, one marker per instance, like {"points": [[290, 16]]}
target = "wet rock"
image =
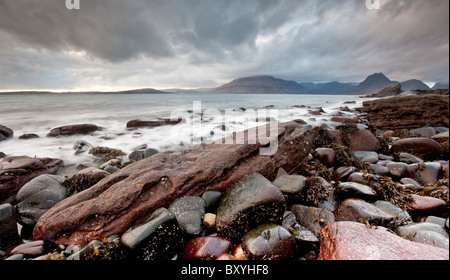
{"points": [[116, 202], [37, 196], [17, 171], [212, 200], [239, 254], [312, 218], [379, 169], [409, 181], [209, 220], [302, 235], [366, 156], [268, 242], [326, 156], [401, 216], [358, 210], [427, 132], [356, 241], [343, 172], [354, 190], [136, 156], [83, 180], [408, 158], [352, 119], [28, 136], [426, 203], [73, 129], [2, 155], [156, 237], [408, 111], [150, 152], [5, 132], [357, 139], [397, 169], [8, 226], [417, 146], [424, 173], [189, 212], [425, 233], [82, 146], [290, 186], [441, 137], [435, 220], [30, 249], [252, 201], [206, 248], [150, 124]]}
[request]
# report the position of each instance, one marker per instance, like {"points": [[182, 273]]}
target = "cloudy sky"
{"points": [[118, 44]]}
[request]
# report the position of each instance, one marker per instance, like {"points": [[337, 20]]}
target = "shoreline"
{"points": [[336, 176]]}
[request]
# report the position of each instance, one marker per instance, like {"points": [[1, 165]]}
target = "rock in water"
{"points": [[356, 241], [17, 171], [5, 132], [73, 129], [118, 201]]}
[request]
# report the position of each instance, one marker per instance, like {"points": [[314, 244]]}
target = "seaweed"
{"points": [[322, 138], [106, 153], [79, 183], [315, 191]]}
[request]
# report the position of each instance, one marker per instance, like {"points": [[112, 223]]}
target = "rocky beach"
{"points": [[371, 183]]}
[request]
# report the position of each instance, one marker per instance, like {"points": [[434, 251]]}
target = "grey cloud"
{"points": [[206, 40]]}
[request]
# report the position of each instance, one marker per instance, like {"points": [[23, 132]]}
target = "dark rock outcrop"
{"points": [[73, 129], [408, 111], [118, 201], [150, 124], [5, 132]]}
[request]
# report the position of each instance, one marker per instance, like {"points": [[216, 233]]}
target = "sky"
{"points": [[116, 44]]}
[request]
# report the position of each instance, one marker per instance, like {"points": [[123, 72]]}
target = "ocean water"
{"points": [[209, 116]]}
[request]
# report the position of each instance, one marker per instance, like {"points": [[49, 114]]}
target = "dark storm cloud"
{"points": [[191, 42]]}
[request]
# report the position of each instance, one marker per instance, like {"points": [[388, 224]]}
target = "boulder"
{"points": [[72, 130], [417, 146], [425, 173], [189, 212], [37, 196], [250, 202], [407, 112], [155, 237], [269, 242], [17, 171], [5, 132], [356, 241], [357, 140], [118, 201], [358, 210], [425, 233]]}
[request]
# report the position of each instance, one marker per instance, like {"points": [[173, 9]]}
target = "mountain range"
{"points": [[268, 84], [271, 85]]}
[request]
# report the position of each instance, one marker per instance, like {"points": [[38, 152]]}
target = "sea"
{"points": [[206, 116]]}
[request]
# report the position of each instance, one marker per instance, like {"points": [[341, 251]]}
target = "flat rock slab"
{"points": [[356, 241], [118, 201]]}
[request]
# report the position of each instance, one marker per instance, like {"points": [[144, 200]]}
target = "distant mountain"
{"points": [[261, 84], [372, 84], [133, 91], [329, 88], [414, 85], [441, 86]]}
